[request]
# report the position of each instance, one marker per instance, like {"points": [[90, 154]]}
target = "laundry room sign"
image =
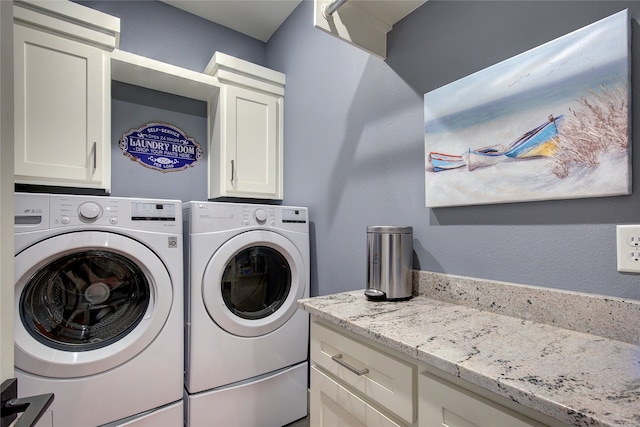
{"points": [[162, 147]]}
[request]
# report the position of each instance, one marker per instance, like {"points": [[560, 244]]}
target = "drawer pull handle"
{"points": [[338, 358]]}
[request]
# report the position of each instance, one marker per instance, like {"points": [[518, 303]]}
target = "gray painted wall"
{"points": [[354, 145], [354, 150]]}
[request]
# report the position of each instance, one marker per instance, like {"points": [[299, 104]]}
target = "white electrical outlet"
{"points": [[628, 244]]}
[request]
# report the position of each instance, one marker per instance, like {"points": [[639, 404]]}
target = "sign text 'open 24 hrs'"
{"points": [[162, 147]]}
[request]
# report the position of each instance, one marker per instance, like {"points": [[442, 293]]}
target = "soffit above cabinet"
{"points": [[256, 18], [363, 23]]}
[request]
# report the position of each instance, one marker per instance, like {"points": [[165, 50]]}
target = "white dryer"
{"points": [[99, 308], [246, 341]]}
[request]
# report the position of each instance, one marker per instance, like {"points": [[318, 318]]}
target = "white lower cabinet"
{"points": [[442, 404], [358, 382], [386, 381], [334, 405]]}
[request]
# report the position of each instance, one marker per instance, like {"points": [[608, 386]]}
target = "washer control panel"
{"points": [[293, 215], [89, 211], [143, 214], [150, 211], [75, 210]]}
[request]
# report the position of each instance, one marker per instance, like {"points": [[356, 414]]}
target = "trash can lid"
{"points": [[389, 229]]}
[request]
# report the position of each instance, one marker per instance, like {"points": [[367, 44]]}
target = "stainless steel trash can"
{"points": [[389, 263]]}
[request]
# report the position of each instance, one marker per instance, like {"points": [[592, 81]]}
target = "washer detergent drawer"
{"points": [[382, 378]]}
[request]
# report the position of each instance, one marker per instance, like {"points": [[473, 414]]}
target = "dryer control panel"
{"points": [[208, 217]]}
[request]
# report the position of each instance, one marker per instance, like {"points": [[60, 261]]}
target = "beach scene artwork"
{"points": [[550, 123]]}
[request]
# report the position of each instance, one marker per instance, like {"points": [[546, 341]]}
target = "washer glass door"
{"points": [[84, 300], [87, 302], [252, 283]]}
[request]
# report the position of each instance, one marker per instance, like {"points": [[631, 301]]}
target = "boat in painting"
{"points": [[541, 141], [487, 156], [441, 161]]}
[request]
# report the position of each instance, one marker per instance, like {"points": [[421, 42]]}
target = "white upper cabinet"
{"points": [[363, 23], [63, 94], [245, 130]]}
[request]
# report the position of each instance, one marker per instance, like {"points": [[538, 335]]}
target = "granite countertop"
{"points": [[578, 378]]}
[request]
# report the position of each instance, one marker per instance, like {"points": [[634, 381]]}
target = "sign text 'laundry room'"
{"points": [[161, 147]]}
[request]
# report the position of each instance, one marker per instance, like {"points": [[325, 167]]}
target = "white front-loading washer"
{"points": [[246, 341], [99, 308]]}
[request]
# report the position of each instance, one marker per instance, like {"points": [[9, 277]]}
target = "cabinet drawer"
{"points": [[444, 404], [385, 379], [334, 405]]}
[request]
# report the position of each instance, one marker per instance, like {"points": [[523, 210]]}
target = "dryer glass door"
{"points": [[252, 283], [256, 282]]}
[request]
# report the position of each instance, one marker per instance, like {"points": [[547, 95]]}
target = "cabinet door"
{"points": [[333, 405], [253, 143], [62, 95], [388, 381], [442, 404]]}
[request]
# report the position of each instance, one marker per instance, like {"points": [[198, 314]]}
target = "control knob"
{"points": [[89, 211], [260, 215]]}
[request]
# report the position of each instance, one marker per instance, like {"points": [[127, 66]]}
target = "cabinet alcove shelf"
{"points": [[138, 70]]}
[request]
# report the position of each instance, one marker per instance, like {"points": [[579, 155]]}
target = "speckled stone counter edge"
{"points": [[608, 317]]}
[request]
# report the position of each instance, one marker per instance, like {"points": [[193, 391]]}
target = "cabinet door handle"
{"points": [[232, 170], [95, 156], [338, 359]]}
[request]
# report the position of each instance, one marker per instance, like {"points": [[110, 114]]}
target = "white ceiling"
{"points": [[256, 18]]}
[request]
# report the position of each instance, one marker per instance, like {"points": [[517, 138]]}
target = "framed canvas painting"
{"points": [[550, 123]]}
